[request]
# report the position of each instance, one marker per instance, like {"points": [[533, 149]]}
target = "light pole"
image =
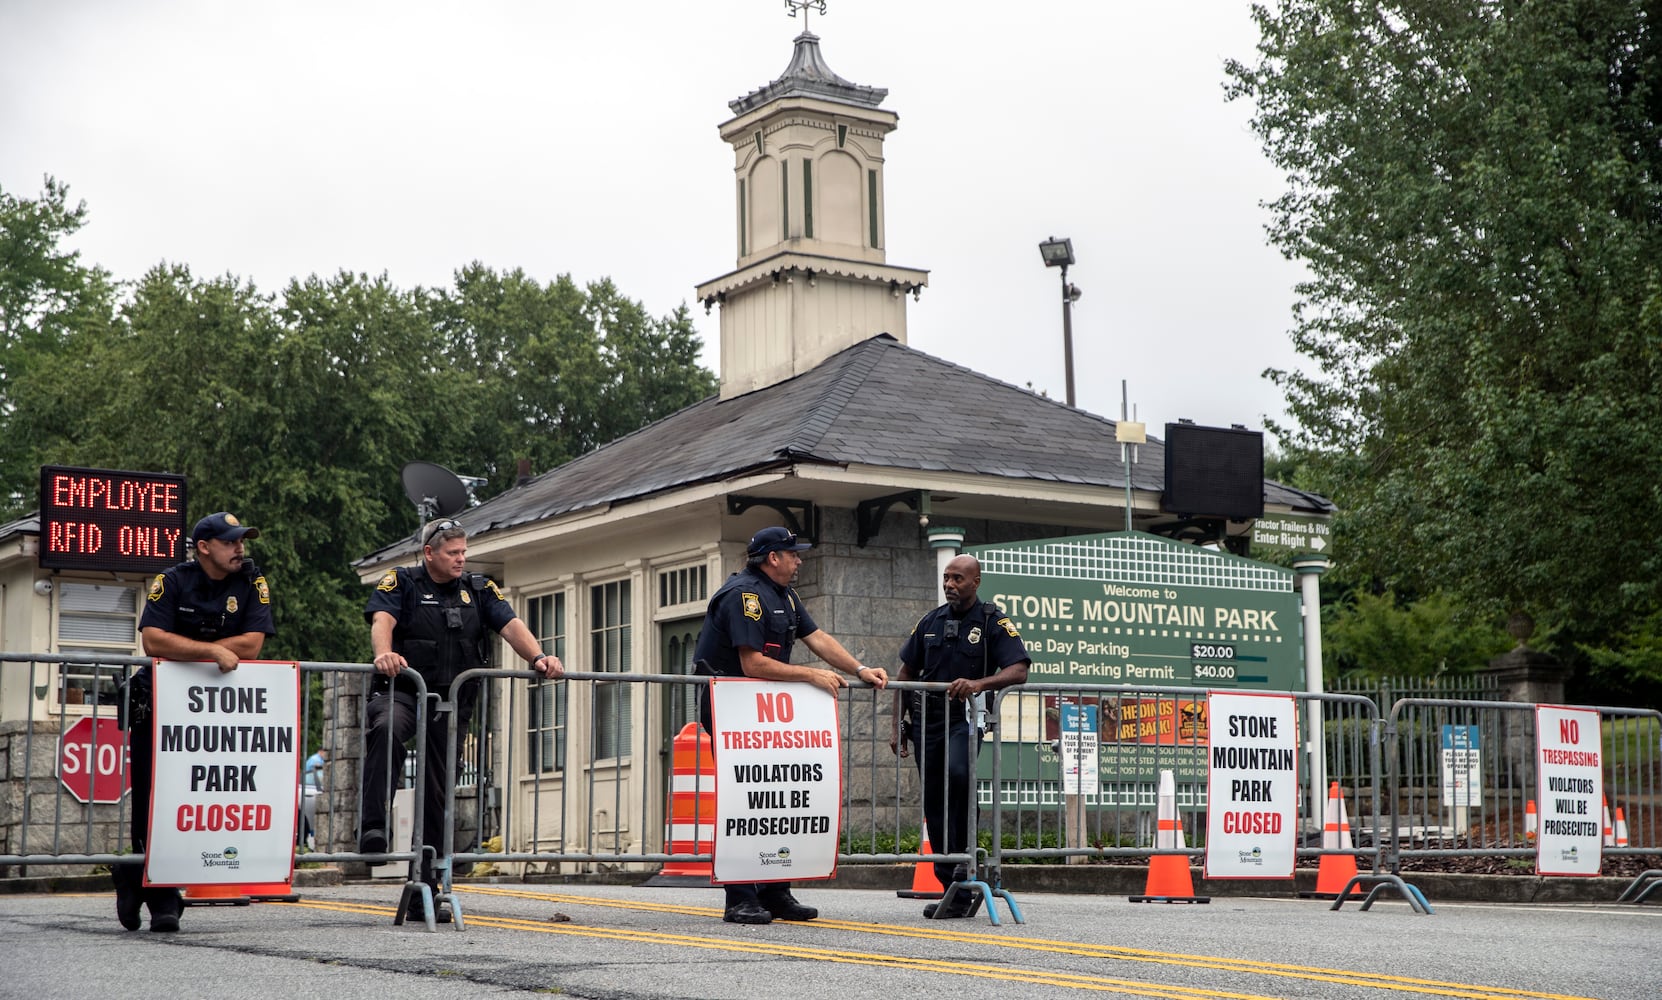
{"points": [[1059, 253]]}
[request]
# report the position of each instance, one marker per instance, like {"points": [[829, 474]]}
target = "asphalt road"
{"points": [[594, 941]]}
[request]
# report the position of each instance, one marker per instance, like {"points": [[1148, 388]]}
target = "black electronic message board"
{"points": [[99, 519]]}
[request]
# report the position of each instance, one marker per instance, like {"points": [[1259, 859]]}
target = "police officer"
{"points": [[216, 609], [973, 647], [431, 619], [750, 626]]}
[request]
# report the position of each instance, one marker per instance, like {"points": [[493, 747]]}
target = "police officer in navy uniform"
{"points": [[973, 647], [750, 626], [434, 619], [216, 609]]}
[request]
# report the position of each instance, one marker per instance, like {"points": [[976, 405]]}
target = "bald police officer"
{"points": [[434, 619], [973, 647], [750, 627], [216, 609]]}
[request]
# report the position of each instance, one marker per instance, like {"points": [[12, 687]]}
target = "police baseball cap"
{"points": [[775, 540], [222, 526]]}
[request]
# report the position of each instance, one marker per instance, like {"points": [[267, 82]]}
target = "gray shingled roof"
{"points": [[808, 75], [876, 403]]}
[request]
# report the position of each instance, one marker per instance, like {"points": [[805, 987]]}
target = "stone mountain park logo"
{"points": [[781, 857], [221, 859], [1252, 857]]}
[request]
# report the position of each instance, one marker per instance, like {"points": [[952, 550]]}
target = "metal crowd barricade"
{"points": [[42, 827], [541, 812], [538, 776], [1138, 732], [1437, 810]]}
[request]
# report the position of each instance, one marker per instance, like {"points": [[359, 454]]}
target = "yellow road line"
{"points": [[1346, 976], [1128, 987], [1276, 969]]}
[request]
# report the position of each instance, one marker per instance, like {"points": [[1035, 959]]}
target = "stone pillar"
{"points": [[946, 542], [1528, 676], [1309, 569]]}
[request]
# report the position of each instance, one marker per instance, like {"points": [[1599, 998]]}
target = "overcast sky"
{"points": [[276, 140]]}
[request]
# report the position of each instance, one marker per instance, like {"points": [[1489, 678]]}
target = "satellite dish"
{"points": [[434, 489]]}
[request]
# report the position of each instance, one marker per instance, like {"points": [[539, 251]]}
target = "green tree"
{"points": [[298, 411], [1372, 635], [46, 293], [1474, 189], [548, 372]]}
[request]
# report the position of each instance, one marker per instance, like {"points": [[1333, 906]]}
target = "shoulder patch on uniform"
{"points": [[388, 582], [1009, 627], [156, 587], [753, 607], [262, 590], [495, 591]]}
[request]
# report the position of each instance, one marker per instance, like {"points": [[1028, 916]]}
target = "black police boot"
{"points": [[372, 842], [129, 895], [784, 906], [747, 912], [167, 905]]}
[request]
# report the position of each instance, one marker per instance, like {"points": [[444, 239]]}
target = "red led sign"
{"points": [[119, 521]]}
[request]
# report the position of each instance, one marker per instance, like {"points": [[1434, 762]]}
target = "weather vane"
{"points": [[792, 6]]}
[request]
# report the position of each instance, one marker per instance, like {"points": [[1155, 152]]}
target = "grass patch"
{"points": [[1631, 744]]}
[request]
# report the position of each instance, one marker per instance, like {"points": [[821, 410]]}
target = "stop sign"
{"points": [[92, 761]]}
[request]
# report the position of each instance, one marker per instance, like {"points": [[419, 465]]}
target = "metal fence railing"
{"points": [[573, 778]]}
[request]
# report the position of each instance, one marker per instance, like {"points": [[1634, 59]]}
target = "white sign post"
{"points": [[778, 781], [225, 793], [1462, 774], [1252, 786], [1570, 772], [1078, 732], [1078, 744]]}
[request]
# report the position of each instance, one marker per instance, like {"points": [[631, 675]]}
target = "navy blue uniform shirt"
{"points": [[186, 601], [440, 627], [751, 610], [985, 642]]}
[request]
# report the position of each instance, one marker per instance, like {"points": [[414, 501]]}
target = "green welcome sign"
{"points": [[1134, 608], [1125, 609]]}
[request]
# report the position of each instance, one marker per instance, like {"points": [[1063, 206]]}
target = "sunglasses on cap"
{"points": [[436, 527]]}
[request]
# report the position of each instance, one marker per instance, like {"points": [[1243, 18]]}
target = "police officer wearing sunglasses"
{"points": [[434, 619]]}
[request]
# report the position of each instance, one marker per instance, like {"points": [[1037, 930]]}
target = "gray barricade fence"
{"points": [[1040, 812], [1464, 782], [65, 801], [588, 793], [581, 776]]}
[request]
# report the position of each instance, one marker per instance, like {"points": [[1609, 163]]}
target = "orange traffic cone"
{"points": [[1609, 831], [1169, 878], [1335, 870], [1621, 828], [691, 826], [1531, 822], [924, 883]]}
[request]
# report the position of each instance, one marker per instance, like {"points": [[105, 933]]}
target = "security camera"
{"points": [[43, 587]]}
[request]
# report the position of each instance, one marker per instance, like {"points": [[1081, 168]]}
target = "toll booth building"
{"points": [[827, 423]]}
